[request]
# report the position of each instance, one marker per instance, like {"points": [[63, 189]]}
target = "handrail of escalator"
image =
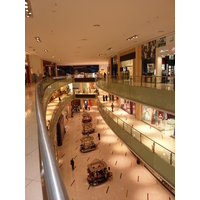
{"points": [[54, 185]]}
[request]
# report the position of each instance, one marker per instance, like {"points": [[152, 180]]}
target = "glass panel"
{"points": [[115, 118], [173, 159], [162, 152], [120, 122], [136, 134], [146, 141], [127, 128]]}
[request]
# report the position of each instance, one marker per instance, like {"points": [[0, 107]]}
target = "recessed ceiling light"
{"points": [[46, 50], [37, 39], [100, 54], [96, 25], [132, 37], [84, 39], [109, 49], [26, 3]]}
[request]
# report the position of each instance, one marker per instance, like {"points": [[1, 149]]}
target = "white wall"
{"points": [[35, 64]]}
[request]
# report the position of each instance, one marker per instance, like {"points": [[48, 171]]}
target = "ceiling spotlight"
{"points": [[131, 38], [46, 50], [100, 54], [28, 10], [109, 49]]}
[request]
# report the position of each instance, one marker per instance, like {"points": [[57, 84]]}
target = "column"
{"points": [[138, 110], [119, 65], [137, 63]]}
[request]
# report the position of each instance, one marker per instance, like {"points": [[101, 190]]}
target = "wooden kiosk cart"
{"points": [[98, 172], [87, 128], [86, 117], [87, 144]]}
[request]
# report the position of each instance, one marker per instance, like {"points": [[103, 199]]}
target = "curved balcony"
{"points": [[53, 187]]}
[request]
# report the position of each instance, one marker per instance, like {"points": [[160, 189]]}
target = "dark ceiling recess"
{"points": [[63, 70], [127, 57]]}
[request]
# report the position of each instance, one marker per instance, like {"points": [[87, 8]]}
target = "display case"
{"points": [[87, 144], [87, 128], [98, 172], [86, 117]]}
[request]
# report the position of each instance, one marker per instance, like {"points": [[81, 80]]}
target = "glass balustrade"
{"points": [[47, 86], [157, 82], [163, 152]]}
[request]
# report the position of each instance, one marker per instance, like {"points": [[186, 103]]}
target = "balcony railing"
{"points": [[52, 184], [157, 82], [155, 147]]}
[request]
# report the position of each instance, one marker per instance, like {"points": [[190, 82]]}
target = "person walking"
{"points": [[112, 106], [35, 77], [72, 164], [106, 97], [99, 136]]}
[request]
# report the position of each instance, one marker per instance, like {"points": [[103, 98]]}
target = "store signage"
{"points": [[164, 50]]}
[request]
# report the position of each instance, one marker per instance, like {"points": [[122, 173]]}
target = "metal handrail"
{"points": [[141, 134], [55, 187]]}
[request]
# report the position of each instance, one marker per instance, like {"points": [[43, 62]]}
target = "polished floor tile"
{"points": [[135, 182], [130, 180]]}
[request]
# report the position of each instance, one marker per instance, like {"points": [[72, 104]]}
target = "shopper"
{"points": [[59, 99], [72, 164], [106, 97], [35, 78], [112, 106], [99, 136]]}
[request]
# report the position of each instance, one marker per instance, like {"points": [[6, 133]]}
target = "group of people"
{"points": [[105, 98]]}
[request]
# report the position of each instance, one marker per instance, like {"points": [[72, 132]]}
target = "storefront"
{"points": [[165, 59], [128, 106], [126, 69], [160, 120]]}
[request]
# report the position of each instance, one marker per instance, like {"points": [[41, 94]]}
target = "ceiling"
{"points": [[79, 31]]}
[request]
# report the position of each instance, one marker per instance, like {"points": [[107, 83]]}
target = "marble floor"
{"points": [[135, 182], [33, 189], [130, 180]]}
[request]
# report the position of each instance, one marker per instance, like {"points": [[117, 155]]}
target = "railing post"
{"points": [[153, 147], [171, 158], [174, 83]]}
